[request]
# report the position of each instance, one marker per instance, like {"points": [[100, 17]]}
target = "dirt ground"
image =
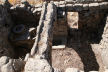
{"points": [[78, 53]]}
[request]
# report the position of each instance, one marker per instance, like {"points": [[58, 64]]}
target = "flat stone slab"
{"points": [[72, 70], [59, 47]]}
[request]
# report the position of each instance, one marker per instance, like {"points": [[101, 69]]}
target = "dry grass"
{"points": [[30, 1]]}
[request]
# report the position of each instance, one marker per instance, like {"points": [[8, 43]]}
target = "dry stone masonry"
{"points": [[104, 44], [29, 31], [42, 46]]}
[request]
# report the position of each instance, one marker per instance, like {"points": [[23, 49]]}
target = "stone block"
{"points": [[57, 70], [62, 2], [72, 70], [93, 71], [69, 7], [38, 5], [78, 7], [56, 3], [69, 1], [93, 6], [62, 7], [85, 6], [58, 47], [106, 70], [3, 60], [103, 5]]}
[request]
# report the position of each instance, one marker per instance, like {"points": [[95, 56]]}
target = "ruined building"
{"points": [[53, 36]]}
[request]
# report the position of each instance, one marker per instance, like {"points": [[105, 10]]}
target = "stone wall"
{"points": [[40, 53], [5, 24], [104, 43], [40, 56], [69, 1]]}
